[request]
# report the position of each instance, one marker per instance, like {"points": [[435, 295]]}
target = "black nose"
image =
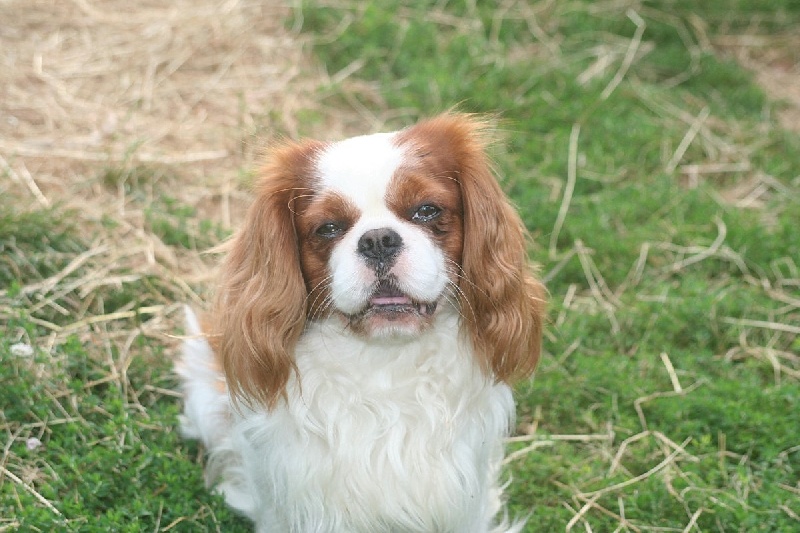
{"points": [[380, 246]]}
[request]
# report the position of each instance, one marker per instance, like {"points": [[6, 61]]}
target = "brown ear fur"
{"points": [[502, 303], [259, 310]]}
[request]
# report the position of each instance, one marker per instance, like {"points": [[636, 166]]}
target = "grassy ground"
{"points": [[663, 198]]}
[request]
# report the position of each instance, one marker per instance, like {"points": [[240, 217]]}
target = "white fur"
{"points": [[208, 417], [378, 437]]}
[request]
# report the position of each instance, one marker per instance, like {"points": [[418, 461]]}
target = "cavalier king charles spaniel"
{"points": [[355, 371]]}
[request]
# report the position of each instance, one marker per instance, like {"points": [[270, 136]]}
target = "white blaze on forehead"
{"points": [[361, 168]]}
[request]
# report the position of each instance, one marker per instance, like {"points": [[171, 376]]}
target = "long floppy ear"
{"points": [[259, 311], [502, 303]]}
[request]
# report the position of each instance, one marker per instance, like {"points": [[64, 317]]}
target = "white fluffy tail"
{"points": [[206, 408], [208, 416]]}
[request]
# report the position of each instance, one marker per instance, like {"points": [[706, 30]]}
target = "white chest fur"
{"points": [[379, 437]]}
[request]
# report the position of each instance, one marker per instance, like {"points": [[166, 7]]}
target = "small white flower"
{"points": [[21, 349], [33, 443]]}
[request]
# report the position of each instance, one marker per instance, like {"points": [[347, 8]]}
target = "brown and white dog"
{"points": [[354, 374]]}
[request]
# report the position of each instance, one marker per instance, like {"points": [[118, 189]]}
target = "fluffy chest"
{"points": [[375, 434]]}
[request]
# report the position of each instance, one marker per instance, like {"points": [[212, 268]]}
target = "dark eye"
{"points": [[426, 213], [329, 230]]}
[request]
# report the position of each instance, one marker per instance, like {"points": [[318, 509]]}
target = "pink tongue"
{"points": [[391, 300]]}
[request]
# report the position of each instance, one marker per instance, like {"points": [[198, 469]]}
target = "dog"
{"points": [[354, 373]]}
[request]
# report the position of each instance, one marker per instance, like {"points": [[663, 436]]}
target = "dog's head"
{"points": [[385, 233]]}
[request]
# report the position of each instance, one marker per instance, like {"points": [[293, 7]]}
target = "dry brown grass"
{"points": [[188, 90], [113, 83], [775, 61]]}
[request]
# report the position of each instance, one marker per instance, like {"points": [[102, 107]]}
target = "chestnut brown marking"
{"points": [[315, 250], [418, 184]]}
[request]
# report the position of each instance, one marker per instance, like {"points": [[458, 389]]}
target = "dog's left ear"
{"points": [[501, 301]]}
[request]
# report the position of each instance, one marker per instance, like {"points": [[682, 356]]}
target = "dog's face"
{"points": [[383, 232], [380, 235]]}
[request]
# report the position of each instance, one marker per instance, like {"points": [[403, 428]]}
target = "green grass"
{"points": [[110, 458], [106, 455], [669, 389]]}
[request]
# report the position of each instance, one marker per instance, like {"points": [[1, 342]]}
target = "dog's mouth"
{"points": [[388, 300]]}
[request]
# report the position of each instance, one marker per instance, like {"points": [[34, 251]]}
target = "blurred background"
{"points": [[651, 146]]}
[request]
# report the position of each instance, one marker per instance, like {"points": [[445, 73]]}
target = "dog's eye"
{"points": [[329, 230], [426, 213]]}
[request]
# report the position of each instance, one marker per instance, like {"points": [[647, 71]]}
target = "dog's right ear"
{"points": [[260, 306]]}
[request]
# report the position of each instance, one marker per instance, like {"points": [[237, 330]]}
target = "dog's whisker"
{"points": [[319, 289], [457, 298]]}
